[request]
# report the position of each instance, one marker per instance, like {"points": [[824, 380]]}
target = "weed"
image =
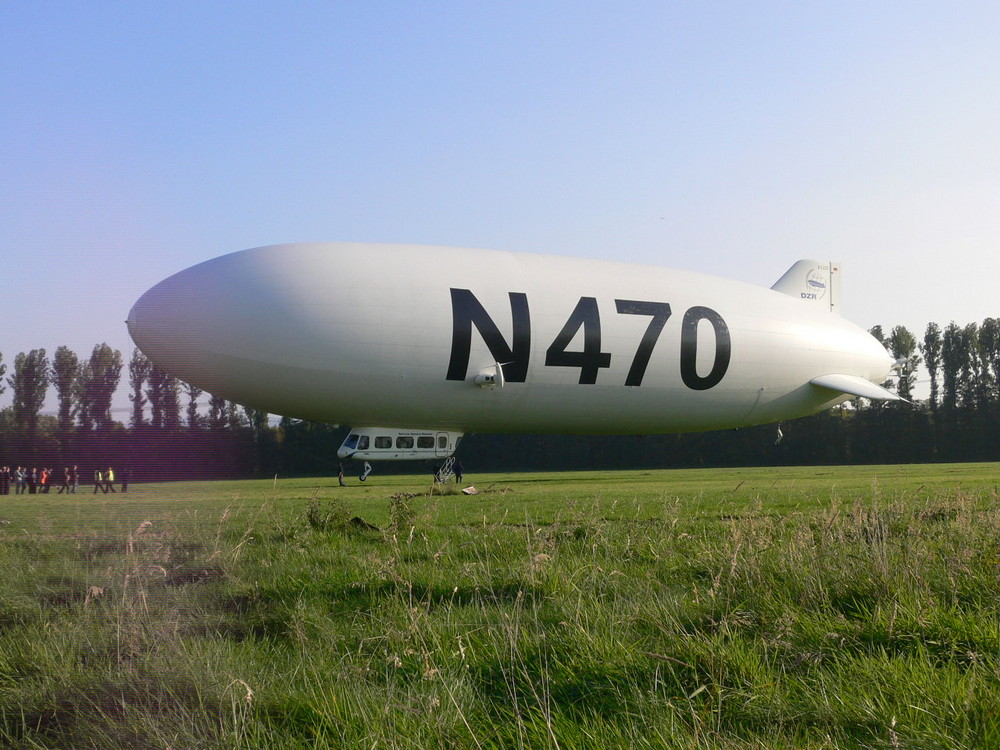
{"points": [[401, 514], [329, 515]]}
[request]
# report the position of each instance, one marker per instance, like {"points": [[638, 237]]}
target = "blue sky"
{"points": [[727, 137]]}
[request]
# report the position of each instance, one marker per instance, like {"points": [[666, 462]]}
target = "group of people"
{"points": [[39, 481]]}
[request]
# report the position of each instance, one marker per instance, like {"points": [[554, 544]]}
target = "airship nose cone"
{"points": [[158, 315], [186, 322], [238, 324], [163, 312]]}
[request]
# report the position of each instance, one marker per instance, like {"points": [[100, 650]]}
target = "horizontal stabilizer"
{"points": [[814, 281], [856, 386]]}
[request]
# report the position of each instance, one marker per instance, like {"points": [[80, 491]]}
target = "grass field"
{"points": [[830, 607]]}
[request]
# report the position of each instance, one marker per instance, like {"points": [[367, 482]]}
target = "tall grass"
{"points": [[792, 608]]}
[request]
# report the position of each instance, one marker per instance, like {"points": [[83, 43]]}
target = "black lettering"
{"points": [[689, 348], [660, 313], [466, 312], [591, 359]]}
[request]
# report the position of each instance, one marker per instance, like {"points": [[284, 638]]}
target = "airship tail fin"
{"points": [[814, 281]]}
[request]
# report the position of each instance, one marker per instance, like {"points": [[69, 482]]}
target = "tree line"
{"points": [[174, 432], [159, 441]]}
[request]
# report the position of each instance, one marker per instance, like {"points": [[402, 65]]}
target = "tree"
{"points": [[193, 392], [217, 414], [138, 373], [163, 403], [29, 382], [3, 369], [931, 349], [85, 421], [234, 416], [257, 419], [99, 379], [952, 359], [903, 346], [989, 343], [970, 374], [172, 405], [65, 371], [259, 428]]}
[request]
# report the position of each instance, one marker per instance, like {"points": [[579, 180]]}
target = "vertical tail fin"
{"points": [[814, 281]]}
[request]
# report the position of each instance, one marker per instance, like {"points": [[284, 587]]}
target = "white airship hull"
{"points": [[399, 335]]}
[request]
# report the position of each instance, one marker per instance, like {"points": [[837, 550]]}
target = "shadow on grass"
{"points": [[104, 713], [268, 614]]}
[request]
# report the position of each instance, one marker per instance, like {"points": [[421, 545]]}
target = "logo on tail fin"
{"points": [[816, 283]]}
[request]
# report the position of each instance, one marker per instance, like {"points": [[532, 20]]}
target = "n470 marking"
{"points": [[468, 313]]}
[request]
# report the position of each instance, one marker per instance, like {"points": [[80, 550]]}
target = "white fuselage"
{"points": [[369, 334]]}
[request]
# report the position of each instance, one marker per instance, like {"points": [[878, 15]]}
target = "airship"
{"points": [[415, 346]]}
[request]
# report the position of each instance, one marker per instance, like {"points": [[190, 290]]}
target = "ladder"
{"points": [[445, 472]]}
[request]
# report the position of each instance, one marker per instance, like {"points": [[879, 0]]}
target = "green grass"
{"points": [[827, 607]]}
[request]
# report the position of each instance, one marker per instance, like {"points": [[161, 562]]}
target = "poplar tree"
{"points": [[931, 349], [258, 421], [234, 416], [258, 426], [217, 413], [953, 360], [989, 342], [981, 382], [163, 403], [903, 346], [138, 373], [65, 371], [971, 369], [193, 392], [172, 405], [100, 378], [81, 388], [29, 382]]}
